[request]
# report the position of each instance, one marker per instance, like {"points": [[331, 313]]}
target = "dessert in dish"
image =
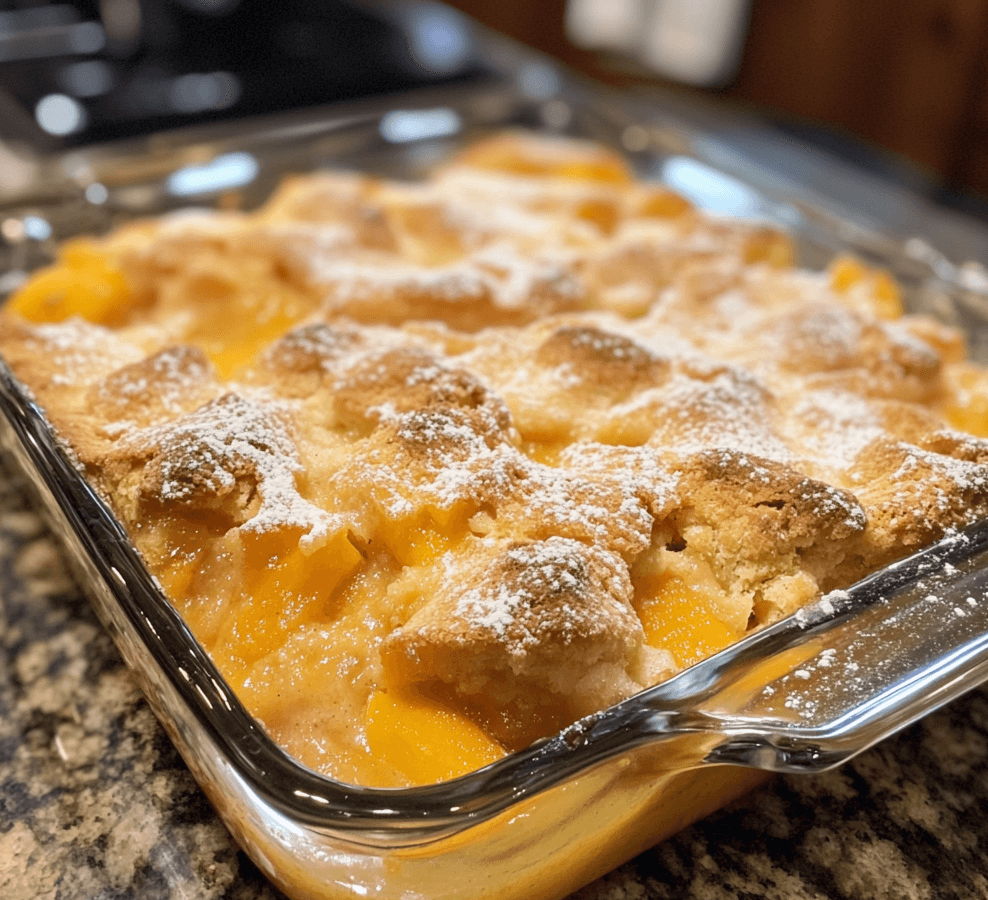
{"points": [[433, 470]]}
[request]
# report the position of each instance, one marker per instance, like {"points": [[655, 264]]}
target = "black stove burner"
{"points": [[85, 71]]}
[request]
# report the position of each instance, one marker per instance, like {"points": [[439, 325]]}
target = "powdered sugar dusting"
{"points": [[358, 281], [580, 388], [235, 439], [822, 609], [79, 351], [839, 426], [515, 605], [960, 474], [442, 457], [168, 379], [728, 410]]}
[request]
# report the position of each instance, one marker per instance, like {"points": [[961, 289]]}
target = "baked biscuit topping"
{"points": [[453, 464], [524, 632]]}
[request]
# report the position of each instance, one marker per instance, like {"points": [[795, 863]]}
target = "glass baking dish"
{"points": [[543, 821]]}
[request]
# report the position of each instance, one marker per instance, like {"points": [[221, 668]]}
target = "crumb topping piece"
{"points": [[516, 625], [165, 384], [234, 455]]}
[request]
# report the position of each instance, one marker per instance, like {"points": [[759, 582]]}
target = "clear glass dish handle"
{"points": [[813, 690]]}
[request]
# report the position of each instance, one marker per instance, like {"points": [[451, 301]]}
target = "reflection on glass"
{"points": [[228, 171], [402, 126], [709, 189]]}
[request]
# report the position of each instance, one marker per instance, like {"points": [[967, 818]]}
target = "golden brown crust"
{"points": [[610, 363], [506, 404], [165, 384], [297, 364], [515, 626], [343, 199], [913, 493], [406, 379], [757, 522]]}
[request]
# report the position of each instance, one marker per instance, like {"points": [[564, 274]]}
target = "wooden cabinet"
{"points": [[906, 74], [909, 75]]}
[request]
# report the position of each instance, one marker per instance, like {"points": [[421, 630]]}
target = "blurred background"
{"points": [[907, 75], [896, 86]]}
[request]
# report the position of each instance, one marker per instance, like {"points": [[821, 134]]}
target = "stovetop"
{"points": [[85, 71]]}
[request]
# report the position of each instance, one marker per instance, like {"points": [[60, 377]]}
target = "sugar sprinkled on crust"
{"points": [[234, 451], [502, 613], [525, 399]]}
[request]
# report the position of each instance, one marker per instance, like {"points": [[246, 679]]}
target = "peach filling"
{"points": [[424, 740], [678, 616], [82, 283], [848, 275]]}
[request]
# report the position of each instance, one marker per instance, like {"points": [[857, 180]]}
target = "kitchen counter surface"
{"points": [[95, 804]]}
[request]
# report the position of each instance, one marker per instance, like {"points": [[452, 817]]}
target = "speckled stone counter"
{"points": [[95, 804]]}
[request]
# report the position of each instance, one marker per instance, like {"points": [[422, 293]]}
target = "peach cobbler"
{"points": [[432, 470]]}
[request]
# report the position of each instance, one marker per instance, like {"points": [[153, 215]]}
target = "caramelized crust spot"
{"points": [[607, 360], [914, 493], [406, 380], [165, 384], [297, 364]]}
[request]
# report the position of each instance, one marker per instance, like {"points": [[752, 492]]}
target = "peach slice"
{"points": [[423, 740], [676, 617]]}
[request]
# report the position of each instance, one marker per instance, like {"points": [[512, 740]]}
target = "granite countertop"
{"points": [[95, 803]]}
